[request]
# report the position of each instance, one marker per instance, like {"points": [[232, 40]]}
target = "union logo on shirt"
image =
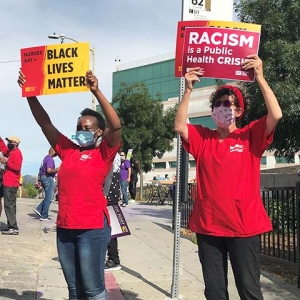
{"points": [[237, 148], [84, 157]]}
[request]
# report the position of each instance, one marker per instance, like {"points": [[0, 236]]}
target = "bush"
{"points": [[24, 193], [31, 191]]}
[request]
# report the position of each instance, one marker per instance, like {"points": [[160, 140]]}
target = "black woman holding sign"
{"points": [[228, 215], [83, 225]]}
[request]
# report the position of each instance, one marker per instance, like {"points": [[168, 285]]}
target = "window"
{"points": [[283, 160], [263, 160], [159, 165], [192, 163], [173, 164], [206, 121]]}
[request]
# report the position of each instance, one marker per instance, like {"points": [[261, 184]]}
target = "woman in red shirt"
{"points": [[228, 214], [83, 225]]}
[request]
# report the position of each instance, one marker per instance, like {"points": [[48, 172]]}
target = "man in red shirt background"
{"points": [[11, 180]]}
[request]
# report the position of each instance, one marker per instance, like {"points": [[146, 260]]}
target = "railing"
{"points": [[187, 206], [283, 208]]}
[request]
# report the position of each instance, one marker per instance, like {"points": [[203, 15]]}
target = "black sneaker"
{"points": [[112, 266], [10, 232]]}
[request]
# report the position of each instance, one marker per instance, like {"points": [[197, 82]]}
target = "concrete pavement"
{"points": [[29, 267]]}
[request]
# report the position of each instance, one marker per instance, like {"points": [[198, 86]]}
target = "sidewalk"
{"points": [[30, 270]]}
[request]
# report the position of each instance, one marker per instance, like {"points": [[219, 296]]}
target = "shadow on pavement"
{"points": [[139, 276], [12, 294], [163, 211], [55, 211], [280, 288], [47, 229], [33, 215], [2, 226], [130, 295], [168, 228]]}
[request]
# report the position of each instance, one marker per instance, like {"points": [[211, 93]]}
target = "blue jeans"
{"points": [[124, 186], [48, 185], [81, 254]]}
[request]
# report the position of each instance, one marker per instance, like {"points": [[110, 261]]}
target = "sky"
{"points": [[129, 30]]}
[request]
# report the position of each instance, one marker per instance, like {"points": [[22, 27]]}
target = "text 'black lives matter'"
{"points": [[63, 68]]}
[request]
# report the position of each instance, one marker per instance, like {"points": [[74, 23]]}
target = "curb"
{"points": [[112, 287]]}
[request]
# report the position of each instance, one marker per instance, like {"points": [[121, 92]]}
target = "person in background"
{"points": [[135, 170], [11, 180], [228, 214], [112, 192], [46, 176], [55, 194], [125, 173], [20, 186], [2, 168], [83, 224]]}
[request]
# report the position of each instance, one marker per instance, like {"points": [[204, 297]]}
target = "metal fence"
{"points": [[283, 208], [187, 205]]}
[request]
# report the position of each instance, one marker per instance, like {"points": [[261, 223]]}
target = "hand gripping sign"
{"points": [[55, 69], [219, 51]]}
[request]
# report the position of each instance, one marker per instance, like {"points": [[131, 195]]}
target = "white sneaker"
{"points": [[131, 201], [37, 212], [123, 205]]}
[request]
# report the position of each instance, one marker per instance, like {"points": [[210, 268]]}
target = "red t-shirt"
{"points": [[12, 173], [81, 176], [228, 181]]}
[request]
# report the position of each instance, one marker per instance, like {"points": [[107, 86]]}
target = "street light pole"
{"points": [[62, 37], [93, 69]]}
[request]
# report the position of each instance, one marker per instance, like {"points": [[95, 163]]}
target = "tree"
{"points": [[146, 126], [280, 52]]}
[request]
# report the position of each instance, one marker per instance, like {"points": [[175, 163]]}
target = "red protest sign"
{"points": [[219, 51], [204, 23]]}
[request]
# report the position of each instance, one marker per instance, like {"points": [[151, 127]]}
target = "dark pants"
{"points": [[244, 258], [10, 207], [132, 188], [1, 189], [112, 251]]}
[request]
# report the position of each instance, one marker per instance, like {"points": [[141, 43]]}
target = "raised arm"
{"points": [[113, 135], [41, 116], [180, 124], [274, 110]]}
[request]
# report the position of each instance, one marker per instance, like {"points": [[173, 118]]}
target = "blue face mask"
{"points": [[85, 138]]}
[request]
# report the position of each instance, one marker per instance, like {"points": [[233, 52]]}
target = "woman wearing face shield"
{"points": [[83, 225], [228, 214]]}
